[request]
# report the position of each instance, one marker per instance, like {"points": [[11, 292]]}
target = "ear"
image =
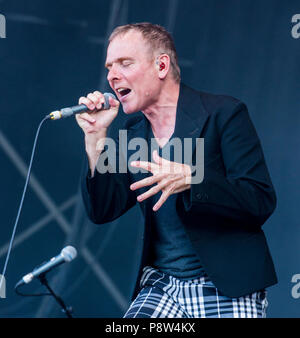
{"points": [[163, 65]]}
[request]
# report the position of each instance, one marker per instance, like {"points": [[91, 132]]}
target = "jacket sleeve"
{"points": [[107, 195], [245, 193]]}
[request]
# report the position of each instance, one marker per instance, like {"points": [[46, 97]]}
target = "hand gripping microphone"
{"points": [[67, 255], [66, 112]]}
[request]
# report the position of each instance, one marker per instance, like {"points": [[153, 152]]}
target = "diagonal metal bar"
{"points": [[115, 14], [37, 226], [172, 12], [31, 19], [104, 278], [84, 273], [35, 185], [170, 25]]}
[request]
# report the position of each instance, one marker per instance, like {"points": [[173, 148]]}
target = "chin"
{"points": [[128, 110]]}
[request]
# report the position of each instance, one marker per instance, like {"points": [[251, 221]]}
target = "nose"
{"points": [[113, 74]]}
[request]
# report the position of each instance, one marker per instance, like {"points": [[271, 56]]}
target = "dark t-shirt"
{"points": [[171, 249]]}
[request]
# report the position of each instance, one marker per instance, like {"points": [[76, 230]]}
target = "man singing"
{"points": [[204, 252]]}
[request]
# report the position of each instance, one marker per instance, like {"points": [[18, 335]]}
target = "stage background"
{"points": [[54, 53]]}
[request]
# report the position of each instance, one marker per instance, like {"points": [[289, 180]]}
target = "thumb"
{"points": [[113, 102]]}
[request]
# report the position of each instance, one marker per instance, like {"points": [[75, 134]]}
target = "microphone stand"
{"points": [[66, 310]]}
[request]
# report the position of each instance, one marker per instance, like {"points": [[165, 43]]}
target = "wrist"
{"points": [[94, 143]]}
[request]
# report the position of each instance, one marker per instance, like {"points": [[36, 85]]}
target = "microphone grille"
{"points": [[69, 253], [111, 95], [106, 98]]}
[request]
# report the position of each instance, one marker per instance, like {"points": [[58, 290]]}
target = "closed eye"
{"points": [[126, 64]]}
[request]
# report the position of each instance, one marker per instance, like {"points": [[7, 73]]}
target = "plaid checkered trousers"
{"points": [[164, 296]]}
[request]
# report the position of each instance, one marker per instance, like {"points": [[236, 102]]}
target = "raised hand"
{"points": [[170, 178]]}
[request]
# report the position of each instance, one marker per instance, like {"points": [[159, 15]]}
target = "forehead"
{"points": [[131, 44]]}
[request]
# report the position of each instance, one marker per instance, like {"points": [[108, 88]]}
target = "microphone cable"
{"points": [[22, 199]]}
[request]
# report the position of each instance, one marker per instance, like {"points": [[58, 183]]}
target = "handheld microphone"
{"points": [[69, 111], [67, 255]]}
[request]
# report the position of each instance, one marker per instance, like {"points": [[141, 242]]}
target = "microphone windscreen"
{"points": [[106, 97], [69, 253]]}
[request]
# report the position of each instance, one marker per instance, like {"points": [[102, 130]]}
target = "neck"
{"points": [[162, 114]]}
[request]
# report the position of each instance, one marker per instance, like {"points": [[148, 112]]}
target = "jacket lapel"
{"points": [[137, 136], [191, 117]]}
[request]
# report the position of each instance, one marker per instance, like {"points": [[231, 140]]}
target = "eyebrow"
{"points": [[119, 60]]}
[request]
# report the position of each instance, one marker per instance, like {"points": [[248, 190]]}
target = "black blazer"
{"points": [[223, 215]]}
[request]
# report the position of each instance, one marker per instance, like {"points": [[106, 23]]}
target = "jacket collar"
{"points": [[191, 114]]}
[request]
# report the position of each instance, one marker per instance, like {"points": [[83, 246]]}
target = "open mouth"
{"points": [[123, 91]]}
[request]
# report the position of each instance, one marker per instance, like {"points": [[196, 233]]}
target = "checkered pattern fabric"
{"points": [[163, 296]]}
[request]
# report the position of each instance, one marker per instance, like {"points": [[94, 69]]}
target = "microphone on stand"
{"points": [[67, 255]]}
